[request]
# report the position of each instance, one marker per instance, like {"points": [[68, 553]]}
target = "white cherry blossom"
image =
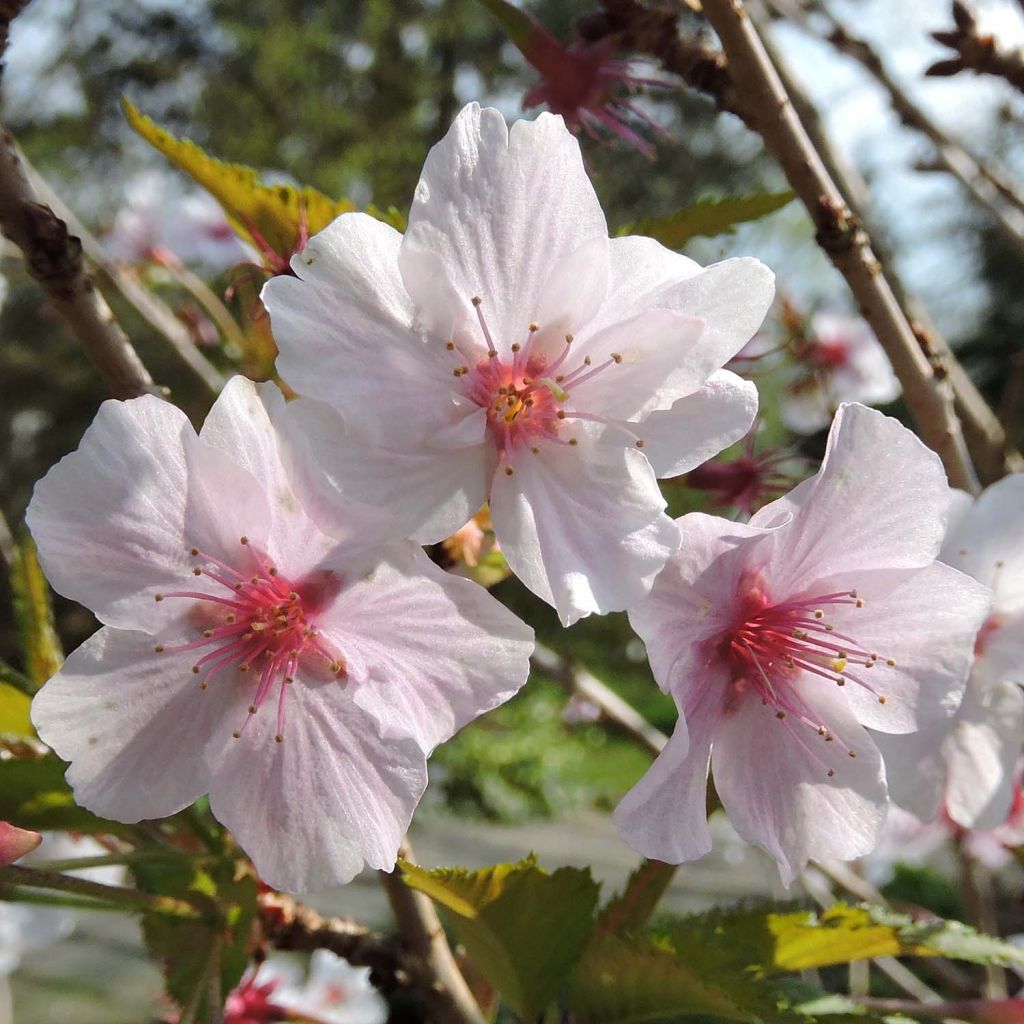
{"points": [[286, 656], [506, 350]]}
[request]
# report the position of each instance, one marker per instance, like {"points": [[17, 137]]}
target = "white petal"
{"points": [[693, 599], [334, 796], [774, 784], [344, 330], [981, 753], [916, 769], [134, 724], [988, 541], [494, 212], [114, 520], [430, 652], [431, 491], [879, 501], [696, 428], [583, 526], [664, 816]]}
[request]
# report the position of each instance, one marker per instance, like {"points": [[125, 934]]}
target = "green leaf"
{"points": [[269, 214], [627, 980], [33, 614], [191, 950], [14, 707], [844, 933], [708, 217], [522, 927], [631, 909], [34, 794], [517, 24]]}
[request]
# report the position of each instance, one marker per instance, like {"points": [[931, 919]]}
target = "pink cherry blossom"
{"points": [[967, 765], [838, 360], [506, 350], [16, 842], [282, 654], [783, 639]]}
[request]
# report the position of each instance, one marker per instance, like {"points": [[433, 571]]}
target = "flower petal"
{"points": [[344, 330], [981, 753], [915, 769], [431, 491], [334, 796], [696, 428], [16, 842], [114, 520], [134, 725], [772, 778], [494, 212], [387, 628], [879, 501], [583, 526]]}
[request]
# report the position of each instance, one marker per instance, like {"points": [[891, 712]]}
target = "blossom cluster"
{"points": [[273, 634]]}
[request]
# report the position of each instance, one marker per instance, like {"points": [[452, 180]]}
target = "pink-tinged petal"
{"points": [[114, 520], [1000, 647], [431, 491], [495, 212], [772, 777], [987, 541], [925, 621], [879, 501], [16, 842], [981, 753], [344, 330], [696, 428], [583, 525], [331, 798], [387, 627], [135, 725], [664, 816], [693, 600], [656, 358], [915, 769]]}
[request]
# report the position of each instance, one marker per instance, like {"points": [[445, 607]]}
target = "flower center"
{"points": [[263, 623], [526, 397], [828, 355], [773, 642]]}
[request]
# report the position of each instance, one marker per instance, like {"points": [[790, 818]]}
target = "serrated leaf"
{"points": [[844, 933], [33, 614], [263, 215], [708, 217], [628, 980], [189, 949], [34, 795], [14, 709], [522, 927]]}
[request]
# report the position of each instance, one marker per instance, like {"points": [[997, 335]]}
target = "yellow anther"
{"points": [[509, 471], [616, 358], [450, 346], [818, 613], [476, 300], [237, 735], [640, 442], [278, 738], [159, 649], [859, 602], [883, 699], [158, 597], [839, 664], [516, 346], [891, 662], [573, 441], [207, 633], [569, 339], [243, 540], [196, 571], [534, 327]]}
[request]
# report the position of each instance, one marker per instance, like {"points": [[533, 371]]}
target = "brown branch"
{"points": [[436, 975], [614, 710], [53, 257], [289, 925], [921, 365], [977, 52]]}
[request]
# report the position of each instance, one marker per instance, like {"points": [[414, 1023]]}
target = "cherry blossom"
{"points": [[838, 360], [782, 639], [16, 842], [282, 654], [506, 350], [967, 766]]}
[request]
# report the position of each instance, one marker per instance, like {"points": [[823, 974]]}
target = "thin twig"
{"points": [[926, 389], [53, 257], [440, 981], [150, 307], [981, 53], [614, 710]]}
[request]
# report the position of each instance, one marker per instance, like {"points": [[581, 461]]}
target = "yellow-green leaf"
{"points": [[14, 706], [522, 927], [33, 614], [264, 215]]}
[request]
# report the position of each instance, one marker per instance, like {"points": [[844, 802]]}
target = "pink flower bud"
{"points": [[16, 842]]}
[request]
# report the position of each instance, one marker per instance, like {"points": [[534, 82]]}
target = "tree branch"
{"points": [[436, 975], [54, 258], [975, 52], [921, 365]]}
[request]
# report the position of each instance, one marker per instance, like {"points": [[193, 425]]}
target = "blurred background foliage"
{"points": [[348, 97]]}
